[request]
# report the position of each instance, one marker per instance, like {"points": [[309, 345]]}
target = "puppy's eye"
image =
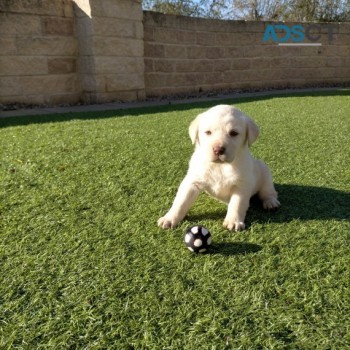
{"points": [[208, 132], [233, 133]]}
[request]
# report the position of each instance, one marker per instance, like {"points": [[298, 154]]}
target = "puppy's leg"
{"points": [[236, 211], [186, 195], [267, 192]]}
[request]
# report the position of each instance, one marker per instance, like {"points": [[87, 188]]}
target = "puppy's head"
{"points": [[221, 132]]}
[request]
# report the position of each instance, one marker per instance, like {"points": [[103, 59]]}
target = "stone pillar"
{"points": [[110, 37]]}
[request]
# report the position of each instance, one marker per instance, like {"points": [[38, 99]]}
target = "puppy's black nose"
{"points": [[219, 150]]}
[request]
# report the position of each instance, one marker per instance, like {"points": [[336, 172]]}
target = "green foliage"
{"points": [[83, 264], [179, 7], [277, 10], [193, 8]]}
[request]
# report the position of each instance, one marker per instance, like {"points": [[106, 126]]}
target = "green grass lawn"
{"points": [[84, 266]]}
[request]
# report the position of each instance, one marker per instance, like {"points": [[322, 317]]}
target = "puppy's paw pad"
{"points": [[271, 204], [234, 225], [165, 223]]}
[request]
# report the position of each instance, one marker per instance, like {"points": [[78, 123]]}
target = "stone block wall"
{"points": [[190, 55], [38, 52], [93, 51], [65, 52]]}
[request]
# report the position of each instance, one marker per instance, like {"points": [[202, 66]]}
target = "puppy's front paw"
{"points": [[234, 225], [166, 222], [271, 204]]}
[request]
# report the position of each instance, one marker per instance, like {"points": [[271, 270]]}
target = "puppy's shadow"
{"points": [[297, 202], [215, 214], [309, 203], [234, 248]]}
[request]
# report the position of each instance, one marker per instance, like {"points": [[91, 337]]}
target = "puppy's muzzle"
{"points": [[219, 150]]}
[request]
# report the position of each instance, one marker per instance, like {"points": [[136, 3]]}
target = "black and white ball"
{"points": [[198, 239]]}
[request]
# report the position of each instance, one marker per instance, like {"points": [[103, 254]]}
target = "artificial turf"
{"points": [[84, 266]]}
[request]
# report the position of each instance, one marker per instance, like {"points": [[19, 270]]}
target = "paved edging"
{"points": [[140, 104]]}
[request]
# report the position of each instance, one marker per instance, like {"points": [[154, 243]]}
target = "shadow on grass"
{"points": [[234, 248], [311, 203], [137, 111], [297, 202]]}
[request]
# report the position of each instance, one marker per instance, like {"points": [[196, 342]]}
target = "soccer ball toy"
{"points": [[198, 239]]}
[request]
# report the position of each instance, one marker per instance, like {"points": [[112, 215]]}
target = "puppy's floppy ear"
{"points": [[252, 131], [193, 130]]}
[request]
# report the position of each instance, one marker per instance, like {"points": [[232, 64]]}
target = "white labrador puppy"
{"points": [[222, 166]]}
